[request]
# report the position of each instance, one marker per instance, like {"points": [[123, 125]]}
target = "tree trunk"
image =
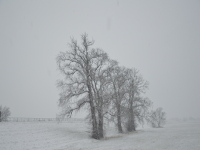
{"points": [[131, 121], [95, 133], [119, 124], [100, 126]]}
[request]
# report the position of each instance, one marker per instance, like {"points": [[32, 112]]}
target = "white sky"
{"points": [[160, 38]]}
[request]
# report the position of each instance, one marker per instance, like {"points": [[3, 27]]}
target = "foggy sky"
{"points": [[160, 38]]}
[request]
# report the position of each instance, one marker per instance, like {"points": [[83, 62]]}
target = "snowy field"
{"points": [[73, 135]]}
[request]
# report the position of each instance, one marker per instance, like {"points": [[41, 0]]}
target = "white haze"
{"points": [[160, 38]]}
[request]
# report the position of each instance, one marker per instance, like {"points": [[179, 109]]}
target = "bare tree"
{"points": [[136, 85], [157, 118], [76, 88], [83, 68], [127, 104], [4, 113], [99, 80], [140, 111], [117, 76]]}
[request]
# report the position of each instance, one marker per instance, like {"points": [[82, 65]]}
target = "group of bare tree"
{"points": [[96, 82]]}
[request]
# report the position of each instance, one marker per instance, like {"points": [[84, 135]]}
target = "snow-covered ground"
{"points": [[73, 135]]}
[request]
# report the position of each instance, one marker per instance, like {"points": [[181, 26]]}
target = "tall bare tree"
{"points": [[140, 113], [85, 79], [118, 80], [136, 85], [99, 80], [76, 87]]}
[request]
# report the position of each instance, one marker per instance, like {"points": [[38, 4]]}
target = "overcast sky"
{"points": [[160, 38]]}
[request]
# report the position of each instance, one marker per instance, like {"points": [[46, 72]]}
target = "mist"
{"points": [[161, 39]]}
